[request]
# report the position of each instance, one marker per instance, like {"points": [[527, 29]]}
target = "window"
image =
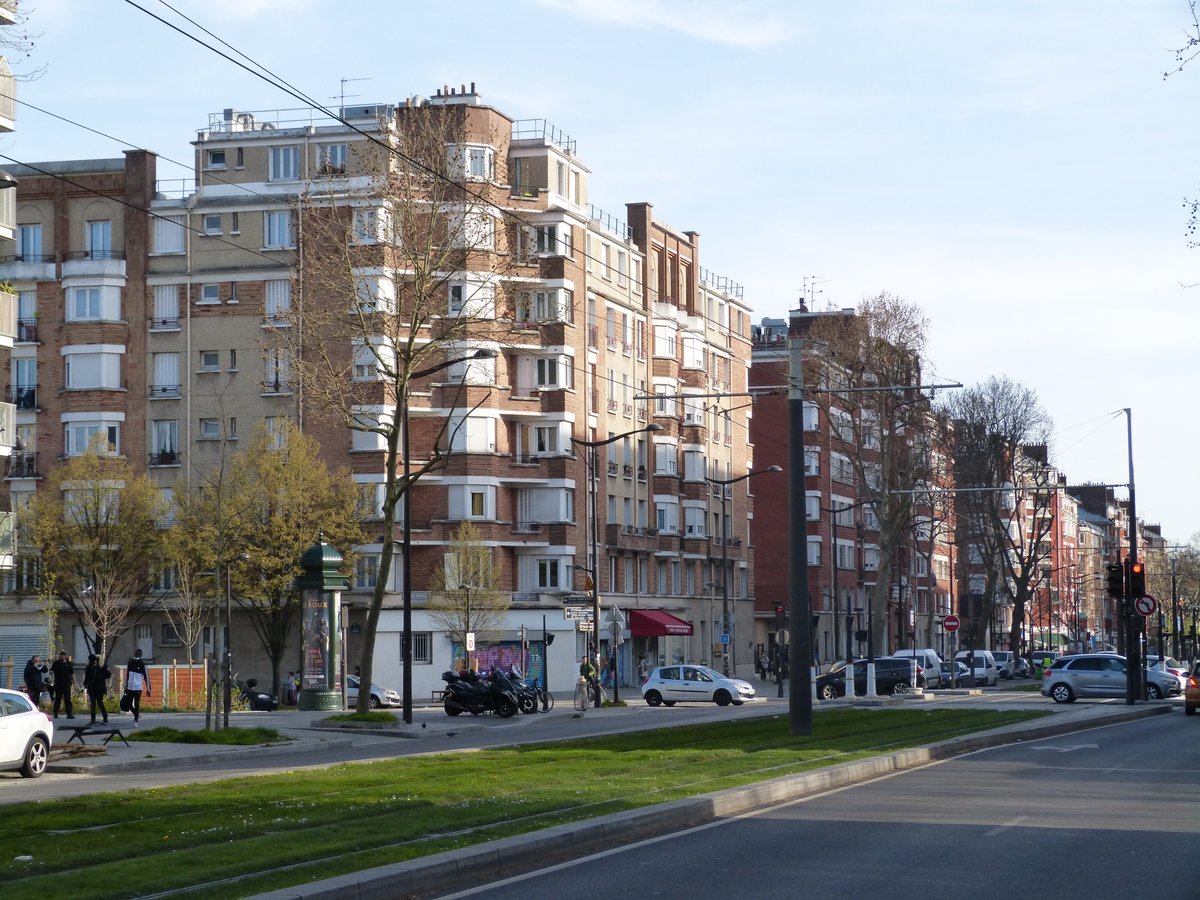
{"points": [[458, 296], [277, 229], [369, 500], [78, 437], [210, 429], [366, 571], [544, 439], [812, 507], [545, 306], [810, 416], [664, 459], [165, 371], [474, 230], [285, 164], [666, 514], [211, 223], [841, 469], [331, 159], [370, 225], [94, 303], [551, 372], [812, 460], [693, 465], [277, 301], [210, 361], [94, 366], [622, 263], [166, 305], [422, 648], [814, 551], [472, 162], [277, 371], [169, 636], [664, 341], [215, 159], [210, 293], [29, 243], [277, 429], [554, 239], [693, 521], [164, 441], [476, 504], [99, 239], [547, 573]]}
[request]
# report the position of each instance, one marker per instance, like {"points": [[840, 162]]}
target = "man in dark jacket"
{"points": [[136, 681], [95, 682], [62, 670], [34, 684]]}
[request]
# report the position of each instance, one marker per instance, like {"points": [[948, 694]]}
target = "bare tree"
{"points": [[999, 437], [866, 369], [399, 277], [465, 594], [96, 531]]}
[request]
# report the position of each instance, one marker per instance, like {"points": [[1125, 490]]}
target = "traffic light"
{"points": [[780, 617], [1116, 580], [1137, 579]]}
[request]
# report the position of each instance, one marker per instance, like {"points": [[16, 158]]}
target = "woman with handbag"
{"points": [[136, 681]]}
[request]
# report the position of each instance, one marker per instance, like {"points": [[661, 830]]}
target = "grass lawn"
{"points": [[243, 836]]}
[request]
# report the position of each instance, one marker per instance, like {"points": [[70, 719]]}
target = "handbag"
{"points": [[126, 702]]}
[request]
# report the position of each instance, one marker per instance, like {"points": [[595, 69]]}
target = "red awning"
{"points": [[656, 623]]}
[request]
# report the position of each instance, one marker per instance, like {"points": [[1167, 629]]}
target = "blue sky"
{"points": [[1017, 168]]}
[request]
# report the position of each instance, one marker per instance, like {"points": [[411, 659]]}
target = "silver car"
{"points": [[1099, 675], [668, 685], [380, 696]]}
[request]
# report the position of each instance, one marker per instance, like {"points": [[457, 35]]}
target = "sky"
{"points": [[1015, 168]]}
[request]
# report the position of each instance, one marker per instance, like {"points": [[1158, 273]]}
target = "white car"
{"points": [[668, 685], [26, 734], [985, 665], [379, 696]]}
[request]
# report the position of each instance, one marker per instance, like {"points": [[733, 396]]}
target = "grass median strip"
{"points": [[246, 835]]}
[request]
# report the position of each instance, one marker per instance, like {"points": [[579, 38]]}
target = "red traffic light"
{"points": [[1137, 579]]}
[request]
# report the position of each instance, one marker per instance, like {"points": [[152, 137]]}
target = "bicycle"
{"points": [[547, 700]]}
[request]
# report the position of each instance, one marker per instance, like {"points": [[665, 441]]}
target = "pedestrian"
{"points": [[610, 671], [63, 672], [136, 681], [95, 683], [34, 681], [290, 685], [643, 669]]}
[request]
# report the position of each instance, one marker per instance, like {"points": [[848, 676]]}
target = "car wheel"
{"points": [[654, 698], [375, 704], [1153, 692], [1062, 693], [452, 710], [1189, 710], [901, 687], [506, 709], [37, 754], [829, 692], [722, 697]]}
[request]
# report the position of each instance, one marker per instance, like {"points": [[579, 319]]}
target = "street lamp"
{"points": [[406, 644], [241, 557], [723, 483], [593, 489]]}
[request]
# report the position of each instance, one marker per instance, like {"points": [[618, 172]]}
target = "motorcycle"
{"points": [[528, 695], [466, 692]]}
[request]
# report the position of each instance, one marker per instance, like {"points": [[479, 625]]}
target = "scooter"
{"points": [[467, 693]]}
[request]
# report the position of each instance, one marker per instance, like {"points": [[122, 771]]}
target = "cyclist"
{"points": [[587, 671]]}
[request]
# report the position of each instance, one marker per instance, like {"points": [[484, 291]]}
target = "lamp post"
{"points": [[241, 557], [722, 484], [593, 490], [406, 540], [467, 641]]}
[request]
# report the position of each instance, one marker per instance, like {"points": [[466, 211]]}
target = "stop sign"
{"points": [[951, 622]]}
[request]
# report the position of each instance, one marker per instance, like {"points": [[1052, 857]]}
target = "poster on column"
{"points": [[316, 643]]}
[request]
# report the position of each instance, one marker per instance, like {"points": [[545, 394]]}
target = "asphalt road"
{"points": [[1105, 813]]}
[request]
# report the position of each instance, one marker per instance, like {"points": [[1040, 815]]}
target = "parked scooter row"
{"points": [[500, 692]]}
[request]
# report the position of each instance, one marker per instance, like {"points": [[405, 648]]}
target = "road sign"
{"points": [[584, 625], [1146, 605], [470, 642], [614, 617], [724, 638], [951, 622], [577, 613]]}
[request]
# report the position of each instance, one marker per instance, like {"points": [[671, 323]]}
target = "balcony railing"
{"points": [[23, 464], [612, 468], [27, 331], [165, 391], [164, 458], [23, 396]]}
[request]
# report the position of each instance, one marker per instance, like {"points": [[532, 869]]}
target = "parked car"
{"points": [[960, 671], [1191, 693], [1006, 663], [929, 661], [379, 696], [1022, 667], [668, 685], [984, 665], [26, 734], [1169, 664], [892, 676], [262, 701], [1099, 675]]}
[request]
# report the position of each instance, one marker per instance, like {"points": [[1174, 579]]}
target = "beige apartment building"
{"points": [[163, 331]]}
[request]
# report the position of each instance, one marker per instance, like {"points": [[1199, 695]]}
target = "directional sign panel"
{"points": [[577, 613]]}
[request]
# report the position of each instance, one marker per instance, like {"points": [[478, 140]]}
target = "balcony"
{"points": [[27, 331], [23, 396], [23, 464], [612, 468], [165, 324], [165, 391], [89, 263], [164, 458]]}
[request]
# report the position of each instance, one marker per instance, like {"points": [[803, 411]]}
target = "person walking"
{"points": [[290, 686], [136, 681], [62, 670], [95, 683], [34, 681]]}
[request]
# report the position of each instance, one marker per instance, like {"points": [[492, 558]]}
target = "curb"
{"points": [[166, 762], [536, 849]]}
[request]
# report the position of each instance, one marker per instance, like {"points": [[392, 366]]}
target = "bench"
{"points": [[78, 731]]}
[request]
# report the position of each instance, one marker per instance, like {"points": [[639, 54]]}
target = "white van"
{"points": [[928, 660], [985, 666]]}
